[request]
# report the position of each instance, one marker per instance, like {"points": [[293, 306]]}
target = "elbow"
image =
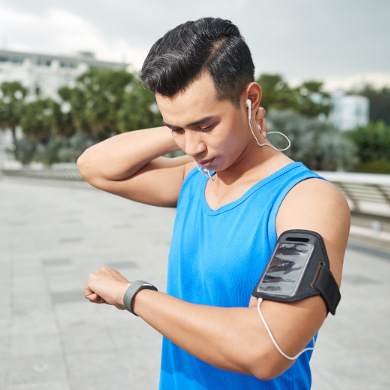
{"points": [[255, 356], [84, 166], [267, 372], [268, 365]]}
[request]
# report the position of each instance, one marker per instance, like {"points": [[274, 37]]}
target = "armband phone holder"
{"points": [[298, 269]]}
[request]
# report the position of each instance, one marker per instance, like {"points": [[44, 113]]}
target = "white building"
{"points": [[43, 74], [349, 111]]}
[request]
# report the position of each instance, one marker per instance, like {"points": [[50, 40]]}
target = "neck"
{"points": [[255, 163]]}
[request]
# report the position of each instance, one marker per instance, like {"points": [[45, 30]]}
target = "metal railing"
{"points": [[367, 194], [69, 173]]}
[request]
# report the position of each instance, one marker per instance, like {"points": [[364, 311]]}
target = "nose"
{"points": [[194, 144]]}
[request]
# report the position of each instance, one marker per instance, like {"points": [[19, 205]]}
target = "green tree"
{"points": [[313, 101], [45, 126], [316, 143], [139, 110], [379, 102], [12, 97], [308, 99], [96, 100], [373, 146], [62, 120], [38, 119], [276, 92]]}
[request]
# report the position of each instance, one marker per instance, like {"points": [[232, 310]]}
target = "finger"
{"points": [[261, 121], [259, 116], [260, 113], [94, 298], [90, 294], [264, 130]]}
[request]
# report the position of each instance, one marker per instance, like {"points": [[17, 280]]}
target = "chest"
{"points": [[217, 258], [218, 194]]}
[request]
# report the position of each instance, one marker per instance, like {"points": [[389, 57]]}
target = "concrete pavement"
{"points": [[53, 234]]}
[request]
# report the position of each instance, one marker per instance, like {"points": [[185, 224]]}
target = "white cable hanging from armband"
{"points": [[273, 339]]}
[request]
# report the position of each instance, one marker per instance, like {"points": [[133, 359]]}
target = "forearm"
{"points": [[121, 156], [232, 339]]}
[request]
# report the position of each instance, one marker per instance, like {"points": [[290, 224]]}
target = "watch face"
{"points": [[285, 269]]}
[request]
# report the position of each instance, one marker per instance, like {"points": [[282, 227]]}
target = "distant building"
{"points": [[349, 111], [43, 74]]}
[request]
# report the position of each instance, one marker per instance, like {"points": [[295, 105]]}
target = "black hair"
{"points": [[183, 53]]}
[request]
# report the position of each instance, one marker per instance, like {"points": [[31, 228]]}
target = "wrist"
{"points": [[132, 291], [171, 143]]}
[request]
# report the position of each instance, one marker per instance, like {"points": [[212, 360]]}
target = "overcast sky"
{"points": [[340, 42]]}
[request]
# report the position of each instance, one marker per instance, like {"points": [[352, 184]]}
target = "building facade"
{"points": [[349, 111], [43, 74]]}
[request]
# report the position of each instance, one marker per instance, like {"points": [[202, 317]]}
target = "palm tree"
{"points": [[12, 98]]}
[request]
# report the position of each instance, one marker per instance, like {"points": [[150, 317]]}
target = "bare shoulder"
{"points": [[316, 193], [317, 205]]}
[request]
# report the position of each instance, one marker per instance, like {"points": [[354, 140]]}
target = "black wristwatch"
{"points": [[131, 292]]}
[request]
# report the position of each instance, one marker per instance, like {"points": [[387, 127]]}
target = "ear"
{"points": [[253, 93]]}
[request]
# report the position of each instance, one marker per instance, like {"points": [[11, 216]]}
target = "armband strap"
{"points": [[326, 284], [132, 291]]}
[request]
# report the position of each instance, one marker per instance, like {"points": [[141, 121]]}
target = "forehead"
{"points": [[198, 100]]}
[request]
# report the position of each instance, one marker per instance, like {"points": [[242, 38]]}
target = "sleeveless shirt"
{"points": [[216, 258]]}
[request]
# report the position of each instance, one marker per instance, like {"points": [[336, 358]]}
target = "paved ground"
{"points": [[52, 235]]}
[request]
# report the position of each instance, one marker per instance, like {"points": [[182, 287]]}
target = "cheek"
{"points": [[234, 138], [228, 148]]}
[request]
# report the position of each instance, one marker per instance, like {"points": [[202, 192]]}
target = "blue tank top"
{"points": [[216, 258]]}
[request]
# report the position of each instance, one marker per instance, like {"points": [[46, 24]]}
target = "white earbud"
{"points": [[249, 104]]}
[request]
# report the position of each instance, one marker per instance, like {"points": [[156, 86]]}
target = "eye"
{"points": [[177, 130], [208, 128]]}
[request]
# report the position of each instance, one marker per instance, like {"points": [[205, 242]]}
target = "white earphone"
{"points": [[249, 104]]}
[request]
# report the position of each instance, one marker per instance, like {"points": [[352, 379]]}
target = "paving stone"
{"points": [[35, 344], [3, 371], [32, 369], [98, 371], [50, 385], [85, 339]]}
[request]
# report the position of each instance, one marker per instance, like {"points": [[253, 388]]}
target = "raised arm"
{"points": [[131, 165]]}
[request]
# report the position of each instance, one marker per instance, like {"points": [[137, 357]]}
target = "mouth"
{"points": [[205, 163]]}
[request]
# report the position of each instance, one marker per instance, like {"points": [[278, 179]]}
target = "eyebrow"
{"points": [[199, 122]]}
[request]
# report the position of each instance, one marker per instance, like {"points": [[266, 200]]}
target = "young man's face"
{"points": [[213, 132]]}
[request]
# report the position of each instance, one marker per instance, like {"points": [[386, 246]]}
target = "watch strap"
{"points": [[131, 292]]}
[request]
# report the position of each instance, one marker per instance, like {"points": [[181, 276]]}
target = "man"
{"points": [[228, 220]]}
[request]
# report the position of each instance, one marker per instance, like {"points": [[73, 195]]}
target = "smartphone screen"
{"points": [[284, 272]]}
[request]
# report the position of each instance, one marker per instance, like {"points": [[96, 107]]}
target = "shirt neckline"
{"points": [[249, 192]]}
